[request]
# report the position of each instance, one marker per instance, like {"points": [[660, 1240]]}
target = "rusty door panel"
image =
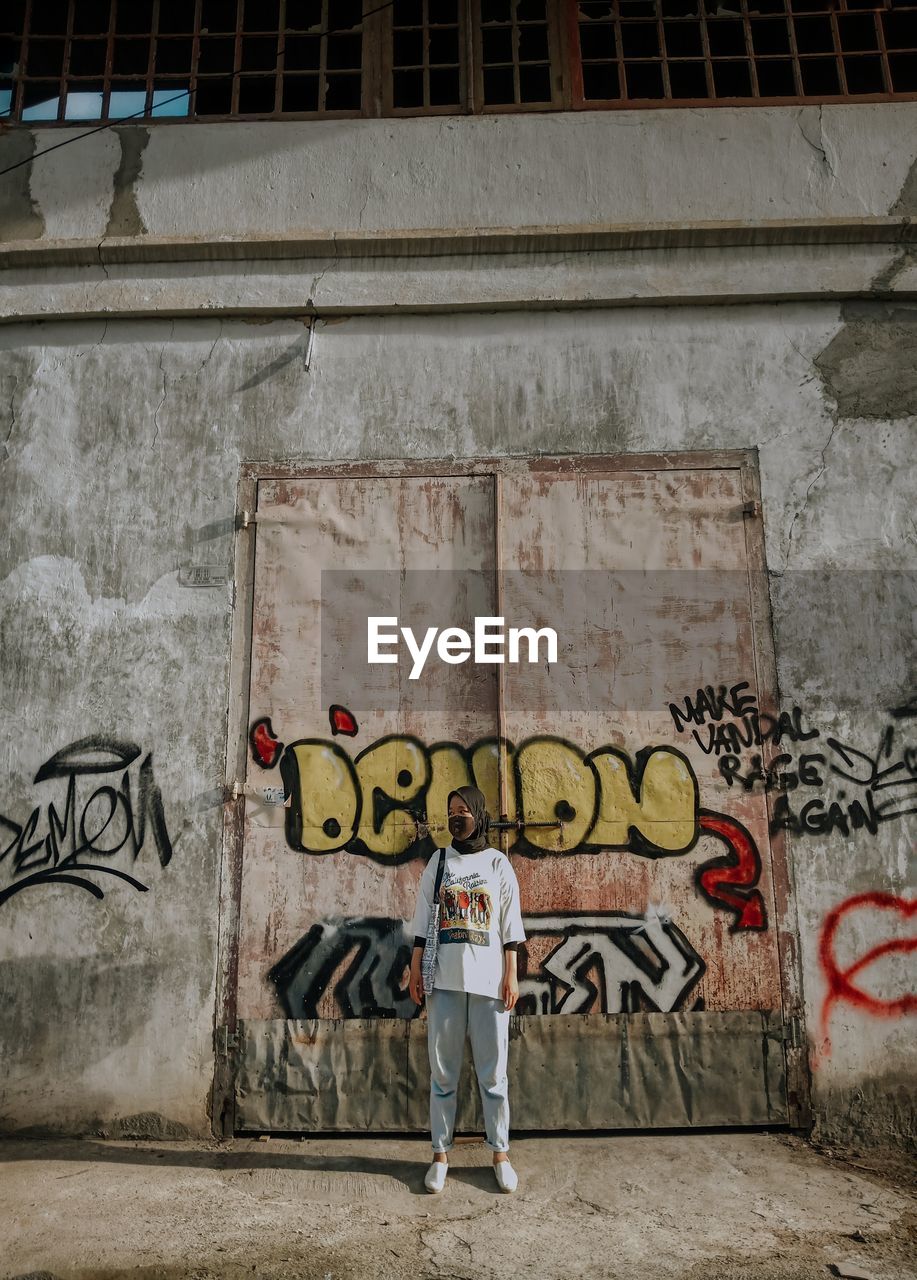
{"points": [[646, 884], [668, 550], [637, 1070], [305, 527]]}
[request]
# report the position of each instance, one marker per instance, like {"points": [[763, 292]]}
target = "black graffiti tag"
{"points": [[608, 963], [888, 790], [87, 828], [729, 723]]}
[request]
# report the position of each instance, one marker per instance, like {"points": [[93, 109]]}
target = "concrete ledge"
{"points": [[587, 238], [872, 259]]}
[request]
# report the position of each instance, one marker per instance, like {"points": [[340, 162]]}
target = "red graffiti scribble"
{"points": [[740, 868], [342, 720], [266, 748], [841, 987]]}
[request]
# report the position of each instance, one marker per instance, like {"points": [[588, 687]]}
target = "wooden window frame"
{"points": [[565, 62]]}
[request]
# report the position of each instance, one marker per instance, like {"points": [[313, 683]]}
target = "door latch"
{"points": [[520, 824], [227, 1042], [792, 1032]]}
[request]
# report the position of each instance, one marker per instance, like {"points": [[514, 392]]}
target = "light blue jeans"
{"points": [[451, 1016]]}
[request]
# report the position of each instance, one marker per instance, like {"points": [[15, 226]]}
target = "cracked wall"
{"points": [[702, 164], [120, 447], [122, 460], [869, 368]]}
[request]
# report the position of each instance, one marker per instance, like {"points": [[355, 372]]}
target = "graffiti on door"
{"points": [[594, 964], [388, 803], [610, 964]]}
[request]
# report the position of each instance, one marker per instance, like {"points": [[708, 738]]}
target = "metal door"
{"points": [[656, 983]]}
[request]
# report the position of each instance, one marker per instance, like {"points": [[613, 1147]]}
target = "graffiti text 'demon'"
{"points": [[389, 802], [86, 833]]}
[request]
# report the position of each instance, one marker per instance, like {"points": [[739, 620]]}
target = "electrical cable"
{"points": [[185, 93]]}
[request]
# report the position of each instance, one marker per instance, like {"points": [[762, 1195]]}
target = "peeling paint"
{"points": [[907, 199], [124, 218], [20, 216], [872, 1110], [144, 1124], [883, 282], [869, 369]]}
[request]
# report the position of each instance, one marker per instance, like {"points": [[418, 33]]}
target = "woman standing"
{"points": [[475, 983]]}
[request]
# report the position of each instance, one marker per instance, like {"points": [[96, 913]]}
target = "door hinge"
{"points": [[792, 1032], [227, 1042], [752, 509], [275, 797]]}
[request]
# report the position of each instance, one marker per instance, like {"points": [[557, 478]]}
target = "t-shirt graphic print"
{"points": [[466, 909], [479, 913]]}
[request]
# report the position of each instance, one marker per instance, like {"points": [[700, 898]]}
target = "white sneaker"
{"points": [[435, 1178], [507, 1178]]}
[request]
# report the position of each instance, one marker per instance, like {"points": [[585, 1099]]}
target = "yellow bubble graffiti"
{"points": [[664, 812], [374, 805], [392, 774], [327, 796], [556, 785]]}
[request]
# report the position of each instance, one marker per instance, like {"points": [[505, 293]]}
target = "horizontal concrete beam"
{"points": [[547, 268], [579, 238]]}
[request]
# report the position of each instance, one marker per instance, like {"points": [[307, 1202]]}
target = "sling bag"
{"points": [[431, 946]]}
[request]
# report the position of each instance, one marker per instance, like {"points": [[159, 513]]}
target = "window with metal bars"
{"points": [[655, 51], [111, 60], [426, 40]]}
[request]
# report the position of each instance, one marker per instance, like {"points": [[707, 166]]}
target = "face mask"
{"points": [[461, 825]]}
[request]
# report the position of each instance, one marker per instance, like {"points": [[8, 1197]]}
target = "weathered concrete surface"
{"points": [[124, 217], [734, 1206], [562, 275], [123, 443], [19, 215], [869, 368], [616, 166]]}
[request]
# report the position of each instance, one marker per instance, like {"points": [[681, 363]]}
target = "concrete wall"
{"points": [[498, 171], [124, 434]]}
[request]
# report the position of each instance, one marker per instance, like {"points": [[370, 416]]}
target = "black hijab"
{"points": [[478, 808]]}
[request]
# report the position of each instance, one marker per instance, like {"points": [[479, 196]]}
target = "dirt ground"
{"points": [[723, 1206]]}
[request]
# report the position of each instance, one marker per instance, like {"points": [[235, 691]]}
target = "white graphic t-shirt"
{"points": [[479, 912]]}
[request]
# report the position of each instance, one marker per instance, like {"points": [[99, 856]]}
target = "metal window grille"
{"points": [[68, 60], [516, 54], [656, 51], [427, 43]]}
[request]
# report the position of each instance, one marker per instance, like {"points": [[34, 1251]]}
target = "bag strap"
{"points": [[439, 875]]}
